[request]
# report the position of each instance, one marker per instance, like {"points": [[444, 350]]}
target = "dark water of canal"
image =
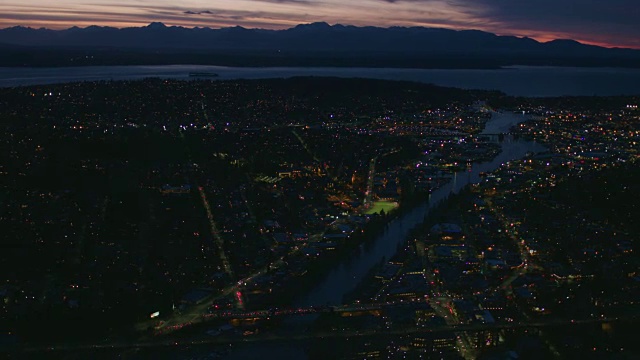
{"points": [[346, 276]]}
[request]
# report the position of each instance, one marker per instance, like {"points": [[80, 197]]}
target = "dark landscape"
{"points": [[317, 44], [158, 197], [251, 179]]}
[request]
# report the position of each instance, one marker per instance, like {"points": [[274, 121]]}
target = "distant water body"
{"points": [[518, 80]]}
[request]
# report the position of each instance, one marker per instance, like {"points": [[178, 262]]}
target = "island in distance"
{"points": [[316, 44]]}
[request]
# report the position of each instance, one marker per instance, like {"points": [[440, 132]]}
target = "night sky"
{"points": [[601, 22]]}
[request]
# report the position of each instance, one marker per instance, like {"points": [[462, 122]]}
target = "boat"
{"points": [[203, 74]]}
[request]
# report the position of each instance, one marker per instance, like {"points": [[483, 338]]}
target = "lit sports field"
{"points": [[382, 205]]}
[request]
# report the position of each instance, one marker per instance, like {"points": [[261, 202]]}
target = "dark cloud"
{"points": [[219, 18], [594, 21], [563, 13], [445, 2], [299, 2], [604, 21], [591, 18], [73, 17], [205, 12]]}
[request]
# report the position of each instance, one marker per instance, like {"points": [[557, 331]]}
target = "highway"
{"points": [[289, 337], [442, 306], [216, 234], [304, 144], [200, 312]]}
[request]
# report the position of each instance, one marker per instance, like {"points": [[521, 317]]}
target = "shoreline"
{"points": [[519, 81]]}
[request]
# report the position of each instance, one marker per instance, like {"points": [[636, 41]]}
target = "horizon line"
{"points": [[541, 40]]}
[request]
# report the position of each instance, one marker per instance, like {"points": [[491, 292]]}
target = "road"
{"points": [[442, 306], [527, 265], [216, 234], [304, 144], [289, 337], [369, 193], [198, 313]]}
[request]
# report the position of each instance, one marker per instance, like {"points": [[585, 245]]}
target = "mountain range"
{"points": [[316, 44]]}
